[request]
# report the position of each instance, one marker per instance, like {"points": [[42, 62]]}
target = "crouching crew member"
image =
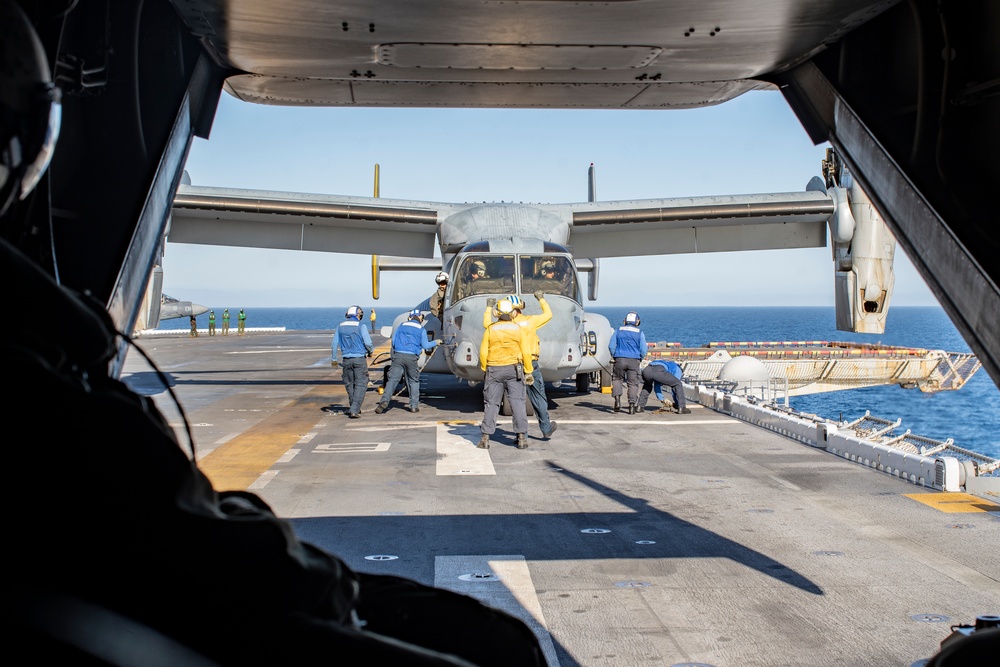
{"points": [[408, 342], [628, 347], [505, 356], [355, 344], [657, 374]]}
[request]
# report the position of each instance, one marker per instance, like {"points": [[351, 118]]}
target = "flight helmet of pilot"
{"points": [[632, 319], [477, 270], [30, 108], [549, 269], [355, 313], [415, 315], [441, 279]]}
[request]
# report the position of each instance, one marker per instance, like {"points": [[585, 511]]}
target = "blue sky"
{"points": [[753, 144]]}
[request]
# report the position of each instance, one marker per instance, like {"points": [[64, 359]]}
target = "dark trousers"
{"points": [[403, 364], [626, 371], [658, 373], [355, 376], [499, 379]]}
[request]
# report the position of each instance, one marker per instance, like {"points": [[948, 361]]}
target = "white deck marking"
{"points": [[342, 447], [625, 421], [457, 453], [404, 426], [511, 590], [288, 456], [262, 481]]}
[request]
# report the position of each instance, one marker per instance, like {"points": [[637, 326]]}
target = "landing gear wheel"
{"points": [[507, 411], [582, 383]]}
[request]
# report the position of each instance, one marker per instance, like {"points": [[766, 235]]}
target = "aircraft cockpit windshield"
{"points": [[485, 274], [495, 274], [549, 274]]}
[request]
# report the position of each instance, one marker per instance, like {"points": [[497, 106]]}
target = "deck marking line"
{"points": [[954, 503], [457, 453], [288, 456], [512, 590], [640, 422], [341, 447], [262, 481], [390, 427]]}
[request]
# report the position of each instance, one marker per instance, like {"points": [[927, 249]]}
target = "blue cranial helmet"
{"points": [[415, 315], [354, 312], [632, 319]]}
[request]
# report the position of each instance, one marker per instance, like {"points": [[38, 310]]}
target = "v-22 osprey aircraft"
{"points": [[491, 250]]}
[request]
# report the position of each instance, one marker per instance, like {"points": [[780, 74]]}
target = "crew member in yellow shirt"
{"points": [[531, 324], [505, 356]]}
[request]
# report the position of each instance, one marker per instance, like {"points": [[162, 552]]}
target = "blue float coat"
{"points": [[352, 339]]}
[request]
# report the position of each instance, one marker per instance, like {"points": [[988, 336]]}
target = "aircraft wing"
{"points": [[700, 224], [297, 221]]}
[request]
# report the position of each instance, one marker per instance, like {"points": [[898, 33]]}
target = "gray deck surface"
{"points": [[653, 539]]}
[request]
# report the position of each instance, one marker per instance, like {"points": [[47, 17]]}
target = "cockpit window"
{"points": [[549, 274], [484, 274]]}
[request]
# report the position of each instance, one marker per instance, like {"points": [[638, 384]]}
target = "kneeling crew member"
{"points": [[407, 344], [503, 351], [657, 374], [628, 347], [355, 345]]}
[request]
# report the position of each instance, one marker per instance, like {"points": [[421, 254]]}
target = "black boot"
{"points": [[618, 404], [522, 441], [631, 408]]}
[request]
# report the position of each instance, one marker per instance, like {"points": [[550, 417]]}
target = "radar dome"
{"points": [[744, 369]]}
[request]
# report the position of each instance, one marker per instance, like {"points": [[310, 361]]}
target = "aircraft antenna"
{"points": [[591, 183]]}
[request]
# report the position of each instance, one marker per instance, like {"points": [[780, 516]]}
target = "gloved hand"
{"points": [[539, 295], [369, 355], [438, 340], [334, 363], [529, 379]]}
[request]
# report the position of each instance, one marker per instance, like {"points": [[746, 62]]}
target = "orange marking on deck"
{"points": [[954, 503]]}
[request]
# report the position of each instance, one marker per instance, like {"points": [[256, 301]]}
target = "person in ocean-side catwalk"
{"points": [[628, 348], [657, 374]]}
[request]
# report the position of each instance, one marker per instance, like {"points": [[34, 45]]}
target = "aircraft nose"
{"points": [[197, 309]]}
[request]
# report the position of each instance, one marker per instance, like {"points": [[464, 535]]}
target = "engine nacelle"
{"points": [[864, 278]]}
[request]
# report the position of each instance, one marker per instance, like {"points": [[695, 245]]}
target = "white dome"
{"points": [[744, 369]]}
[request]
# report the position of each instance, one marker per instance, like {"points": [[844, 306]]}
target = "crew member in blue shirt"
{"points": [[657, 374], [408, 342], [628, 348], [355, 344]]}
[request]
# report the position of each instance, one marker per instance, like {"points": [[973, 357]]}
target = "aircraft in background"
{"points": [[491, 250]]}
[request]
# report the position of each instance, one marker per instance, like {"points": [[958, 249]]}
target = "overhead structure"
{"points": [[906, 92]]}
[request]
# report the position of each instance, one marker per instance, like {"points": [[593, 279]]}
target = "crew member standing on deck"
{"points": [[211, 323], [657, 374], [408, 342], [373, 320], [355, 346], [531, 324], [505, 356], [194, 327], [242, 317], [628, 348], [225, 322]]}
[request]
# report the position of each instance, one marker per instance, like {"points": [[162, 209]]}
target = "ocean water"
{"points": [[970, 415]]}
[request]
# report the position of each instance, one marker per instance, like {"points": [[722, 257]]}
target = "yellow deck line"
{"points": [[239, 462], [954, 503]]}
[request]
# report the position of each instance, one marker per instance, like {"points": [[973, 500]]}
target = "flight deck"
{"points": [[648, 539]]}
